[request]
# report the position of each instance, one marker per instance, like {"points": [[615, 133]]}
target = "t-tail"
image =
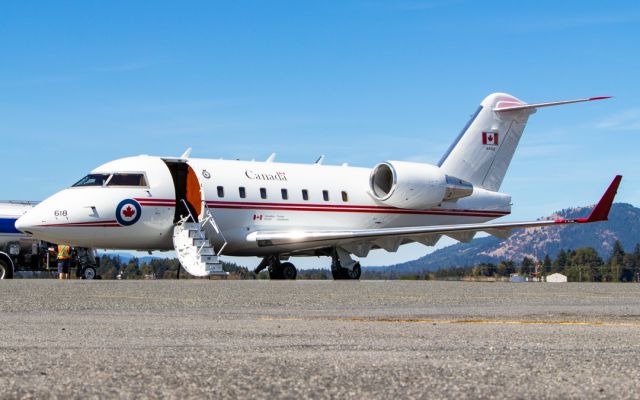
{"points": [[483, 151]]}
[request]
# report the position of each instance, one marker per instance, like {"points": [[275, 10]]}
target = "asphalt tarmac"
{"points": [[318, 339]]}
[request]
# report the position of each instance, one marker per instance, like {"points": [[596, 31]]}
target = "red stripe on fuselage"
{"points": [[351, 208], [154, 200], [88, 224], [248, 205]]}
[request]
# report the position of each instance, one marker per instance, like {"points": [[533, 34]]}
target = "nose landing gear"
{"points": [[88, 273]]}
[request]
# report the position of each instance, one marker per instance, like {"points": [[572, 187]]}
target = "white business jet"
{"points": [[204, 208]]}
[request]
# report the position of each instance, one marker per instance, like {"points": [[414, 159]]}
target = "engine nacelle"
{"points": [[415, 186]]}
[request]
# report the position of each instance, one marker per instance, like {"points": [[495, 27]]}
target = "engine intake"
{"points": [[415, 186]]}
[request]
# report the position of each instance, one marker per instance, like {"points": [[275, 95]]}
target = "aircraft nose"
{"points": [[26, 223]]}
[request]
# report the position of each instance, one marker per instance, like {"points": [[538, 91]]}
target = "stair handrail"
{"points": [[209, 218], [200, 233]]}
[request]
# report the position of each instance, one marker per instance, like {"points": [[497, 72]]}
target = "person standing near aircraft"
{"points": [[64, 260]]}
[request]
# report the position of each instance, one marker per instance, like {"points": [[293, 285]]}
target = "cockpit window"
{"points": [[113, 180], [92, 180], [119, 179]]}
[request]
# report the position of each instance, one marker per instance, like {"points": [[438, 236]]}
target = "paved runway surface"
{"points": [[317, 339]]}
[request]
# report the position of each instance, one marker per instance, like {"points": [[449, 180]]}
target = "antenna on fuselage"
{"points": [[186, 153], [271, 157], [320, 160]]}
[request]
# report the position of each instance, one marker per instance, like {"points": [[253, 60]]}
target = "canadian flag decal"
{"points": [[490, 138]]}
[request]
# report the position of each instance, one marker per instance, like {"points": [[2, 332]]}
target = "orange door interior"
{"points": [[187, 190], [193, 195]]}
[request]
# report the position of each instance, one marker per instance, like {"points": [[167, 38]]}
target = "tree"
{"points": [[132, 269], [546, 263], [526, 268], [585, 265], [631, 262], [616, 261], [487, 269], [561, 261]]}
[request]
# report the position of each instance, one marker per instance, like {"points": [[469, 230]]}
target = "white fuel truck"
{"points": [[22, 252]]}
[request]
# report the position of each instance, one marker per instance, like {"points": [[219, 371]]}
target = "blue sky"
{"points": [[85, 82]]}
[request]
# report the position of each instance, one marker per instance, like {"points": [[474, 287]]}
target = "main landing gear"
{"points": [[277, 269], [343, 266]]}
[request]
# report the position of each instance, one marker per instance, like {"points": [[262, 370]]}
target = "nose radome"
{"points": [[25, 223], [37, 218]]}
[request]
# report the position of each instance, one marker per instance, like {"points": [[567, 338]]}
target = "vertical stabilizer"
{"points": [[482, 152]]}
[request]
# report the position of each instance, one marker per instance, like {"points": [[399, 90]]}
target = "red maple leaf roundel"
{"points": [[128, 212]]}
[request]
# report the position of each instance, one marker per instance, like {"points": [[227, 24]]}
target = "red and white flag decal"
{"points": [[490, 138]]}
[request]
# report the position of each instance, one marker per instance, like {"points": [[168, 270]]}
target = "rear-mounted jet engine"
{"points": [[415, 186]]}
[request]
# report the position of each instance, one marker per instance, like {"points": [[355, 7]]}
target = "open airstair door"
{"points": [[187, 188], [190, 238]]}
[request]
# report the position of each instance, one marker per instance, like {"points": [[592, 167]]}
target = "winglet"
{"points": [[601, 211]]}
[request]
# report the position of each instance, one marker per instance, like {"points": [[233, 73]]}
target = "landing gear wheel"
{"points": [[354, 273], [6, 270], [340, 273], [275, 272], [288, 271], [88, 273]]}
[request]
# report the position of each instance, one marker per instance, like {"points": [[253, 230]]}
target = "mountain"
{"points": [[623, 225]]}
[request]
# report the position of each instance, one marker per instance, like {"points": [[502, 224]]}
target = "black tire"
{"points": [[340, 273], [6, 269], [337, 272], [275, 272], [354, 273], [88, 273], [288, 271]]}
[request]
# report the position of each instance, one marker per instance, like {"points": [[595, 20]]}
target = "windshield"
{"points": [[112, 180], [127, 180], [92, 180]]}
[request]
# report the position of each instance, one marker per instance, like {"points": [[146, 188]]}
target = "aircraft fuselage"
{"points": [[243, 196]]}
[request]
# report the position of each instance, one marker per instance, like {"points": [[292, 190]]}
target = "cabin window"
{"points": [[120, 179], [325, 195], [92, 180], [243, 192], [220, 191], [263, 193], [285, 194], [305, 194], [345, 196]]}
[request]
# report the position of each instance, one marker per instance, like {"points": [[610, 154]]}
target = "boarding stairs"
{"points": [[193, 245]]}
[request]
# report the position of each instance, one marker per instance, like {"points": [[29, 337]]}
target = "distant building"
{"points": [[556, 278]]}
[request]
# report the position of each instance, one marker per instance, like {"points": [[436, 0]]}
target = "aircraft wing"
{"points": [[391, 238]]}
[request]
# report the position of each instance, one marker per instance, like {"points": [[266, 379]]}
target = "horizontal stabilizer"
{"points": [[509, 105]]}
